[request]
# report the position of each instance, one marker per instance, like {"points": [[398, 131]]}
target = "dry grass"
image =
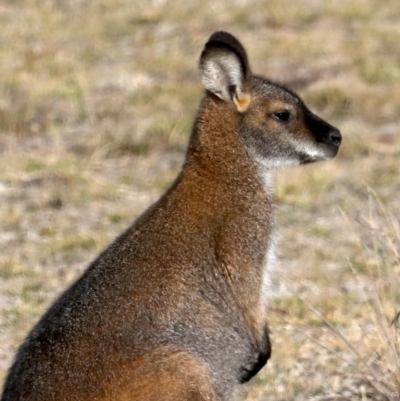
{"points": [[96, 101]]}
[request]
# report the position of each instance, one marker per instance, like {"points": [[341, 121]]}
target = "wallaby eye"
{"points": [[282, 115]]}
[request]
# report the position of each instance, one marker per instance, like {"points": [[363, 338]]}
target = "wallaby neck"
{"points": [[222, 195], [216, 149]]}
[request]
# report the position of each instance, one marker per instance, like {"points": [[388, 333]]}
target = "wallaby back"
{"points": [[175, 308]]}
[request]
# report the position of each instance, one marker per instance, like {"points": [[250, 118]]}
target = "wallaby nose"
{"points": [[335, 136]]}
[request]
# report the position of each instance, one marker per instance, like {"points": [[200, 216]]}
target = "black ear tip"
{"points": [[225, 40], [222, 36]]}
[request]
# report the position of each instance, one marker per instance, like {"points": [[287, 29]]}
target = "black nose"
{"points": [[335, 136]]}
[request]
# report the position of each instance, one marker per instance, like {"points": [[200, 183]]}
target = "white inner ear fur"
{"points": [[221, 70]]}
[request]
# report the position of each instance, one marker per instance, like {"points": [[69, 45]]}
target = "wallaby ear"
{"points": [[224, 69]]}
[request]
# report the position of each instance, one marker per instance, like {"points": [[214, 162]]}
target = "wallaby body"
{"points": [[175, 308]]}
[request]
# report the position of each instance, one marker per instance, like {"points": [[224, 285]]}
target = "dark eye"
{"points": [[282, 115]]}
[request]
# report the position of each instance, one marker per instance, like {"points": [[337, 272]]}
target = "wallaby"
{"points": [[175, 308]]}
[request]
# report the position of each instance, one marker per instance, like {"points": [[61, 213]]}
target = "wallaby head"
{"points": [[276, 126]]}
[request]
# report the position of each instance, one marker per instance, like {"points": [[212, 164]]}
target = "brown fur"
{"points": [[175, 308]]}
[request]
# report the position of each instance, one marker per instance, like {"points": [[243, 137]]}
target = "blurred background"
{"points": [[97, 99]]}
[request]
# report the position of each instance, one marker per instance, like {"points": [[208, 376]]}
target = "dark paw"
{"points": [[248, 372]]}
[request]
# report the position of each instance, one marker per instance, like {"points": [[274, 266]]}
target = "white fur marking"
{"points": [[270, 265], [309, 149], [270, 258], [219, 72]]}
